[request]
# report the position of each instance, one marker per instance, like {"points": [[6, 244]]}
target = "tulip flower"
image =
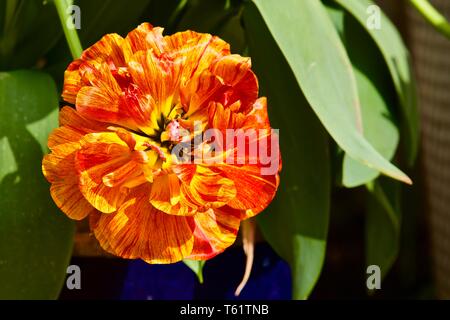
{"points": [[131, 103]]}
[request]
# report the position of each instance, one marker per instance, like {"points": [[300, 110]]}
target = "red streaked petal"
{"points": [[241, 82], [69, 199], [72, 82], [254, 190], [108, 102], [70, 117], [63, 135], [73, 127], [128, 171], [215, 230], [138, 230], [157, 77], [222, 118], [101, 154], [196, 50], [258, 117], [108, 48], [204, 186], [58, 168], [166, 196], [145, 37], [199, 92]]}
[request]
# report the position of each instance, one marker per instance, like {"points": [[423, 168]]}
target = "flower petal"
{"points": [[205, 186], [157, 79], [145, 37], [101, 154], [107, 49], [166, 195], [222, 118], [72, 81], [241, 83], [199, 92], [58, 168], [196, 50], [138, 230], [73, 127], [254, 190], [258, 116], [215, 230]]}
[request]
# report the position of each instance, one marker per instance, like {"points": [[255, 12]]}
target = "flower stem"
{"points": [[437, 20], [69, 29]]}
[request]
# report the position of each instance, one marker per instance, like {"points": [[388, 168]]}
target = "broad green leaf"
{"points": [[397, 58], [197, 267], [35, 237], [376, 94], [383, 220], [296, 223], [316, 55]]}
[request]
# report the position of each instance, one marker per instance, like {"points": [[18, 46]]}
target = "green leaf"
{"points": [[311, 45], [296, 223], [197, 267], [397, 58], [383, 220], [376, 93], [35, 237]]}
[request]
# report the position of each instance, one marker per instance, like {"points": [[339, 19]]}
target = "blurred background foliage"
{"points": [[342, 94]]}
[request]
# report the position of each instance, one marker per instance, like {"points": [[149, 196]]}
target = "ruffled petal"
{"points": [[240, 83], [101, 154], [58, 168], [145, 37], [222, 118], [167, 196], [69, 117], [72, 81], [138, 230], [205, 186], [258, 117], [157, 79], [215, 230], [199, 92], [108, 48], [73, 128], [254, 190], [196, 51]]}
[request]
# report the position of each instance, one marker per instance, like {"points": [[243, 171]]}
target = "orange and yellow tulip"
{"points": [[129, 101]]}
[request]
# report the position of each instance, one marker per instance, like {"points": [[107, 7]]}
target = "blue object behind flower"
{"points": [[270, 278]]}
